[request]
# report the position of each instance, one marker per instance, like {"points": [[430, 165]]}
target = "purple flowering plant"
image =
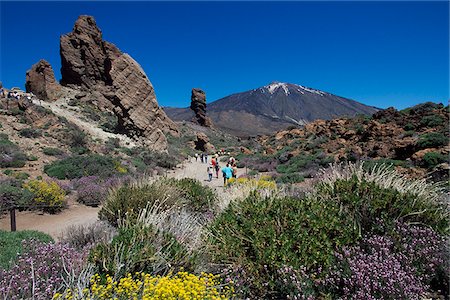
{"points": [[40, 271]]}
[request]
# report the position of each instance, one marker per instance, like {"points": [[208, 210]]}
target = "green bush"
{"points": [[144, 159], [79, 166], [21, 175], [431, 140], [264, 234], [130, 199], [431, 121], [198, 197], [52, 151], [296, 163], [409, 127], [140, 249], [387, 162], [13, 195], [11, 244], [163, 194], [290, 178], [11, 156], [432, 159], [30, 132], [367, 201]]}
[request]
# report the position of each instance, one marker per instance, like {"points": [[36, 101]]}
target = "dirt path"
{"points": [[78, 214], [73, 115]]}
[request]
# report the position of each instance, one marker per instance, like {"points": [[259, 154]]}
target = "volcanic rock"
{"points": [[202, 143], [40, 80], [198, 105], [114, 82]]}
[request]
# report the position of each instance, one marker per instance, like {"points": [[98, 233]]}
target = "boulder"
{"points": [[114, 82], [198, 106], [202, 143], [40, 80]]}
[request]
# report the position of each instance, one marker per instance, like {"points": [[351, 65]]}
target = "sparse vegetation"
{"points": [[52, 151], [30, 132], [431, 159], [11, 156], [431, 140], [79, 166]]}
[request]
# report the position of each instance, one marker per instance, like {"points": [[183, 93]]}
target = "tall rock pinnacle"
{"points": [[40, 80], [198, 105], [115, 81]]}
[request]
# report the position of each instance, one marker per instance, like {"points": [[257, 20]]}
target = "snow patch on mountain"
{"points": [[311, 90], [275, 86]]}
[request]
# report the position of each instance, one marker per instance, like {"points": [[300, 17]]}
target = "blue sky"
{"points": [[379, 53]]}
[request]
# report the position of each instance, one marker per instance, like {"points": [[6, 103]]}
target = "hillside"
{"points": [[273, 107], [414, 140]]}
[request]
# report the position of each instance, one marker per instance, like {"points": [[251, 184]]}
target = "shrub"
{"points": [[13, 195], [426, 252], [432, 140], [265, 234], [431, 121], [48, 195], [409, 127], [79, 166], [30, 132], [40, 271], [382, 193], [182, 285], [290, 178], [52, 151], [83, 236], [21, 175], [11, 156], [32, 158], [198, 197], [432, 159], [375, 271], [130, 199], [154, 159], [11, 244], [139, 248], [93, 190]]}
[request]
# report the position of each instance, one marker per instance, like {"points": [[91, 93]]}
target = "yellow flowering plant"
{"points": [[181, 286], [48, 195]]}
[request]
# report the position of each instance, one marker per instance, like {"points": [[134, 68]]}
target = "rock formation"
{"points": [[202, 143], [114, 82], [198, 105], [40, 80]]}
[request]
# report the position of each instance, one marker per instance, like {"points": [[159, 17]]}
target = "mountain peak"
{"points": [[289, 88], [274, 86]]}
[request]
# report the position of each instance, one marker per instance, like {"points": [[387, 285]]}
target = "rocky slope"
{"points": [[274, 107], [108, 79], [415, 140]]}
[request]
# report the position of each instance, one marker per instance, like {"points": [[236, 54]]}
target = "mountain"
{"points": [[274, 107]]}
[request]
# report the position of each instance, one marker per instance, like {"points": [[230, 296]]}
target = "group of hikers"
{"points": [[228, 171]]}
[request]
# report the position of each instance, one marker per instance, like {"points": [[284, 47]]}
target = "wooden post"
{"points": [[12, 213]]}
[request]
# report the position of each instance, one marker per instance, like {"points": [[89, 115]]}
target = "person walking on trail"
{"points": [[234, 170], [210, 172], [201, 157], [227, 173], [196, 156], [213, 162], [217, 167], [206, 158]]}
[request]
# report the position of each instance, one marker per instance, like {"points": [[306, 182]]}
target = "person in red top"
{"points": [[213, 162]]}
